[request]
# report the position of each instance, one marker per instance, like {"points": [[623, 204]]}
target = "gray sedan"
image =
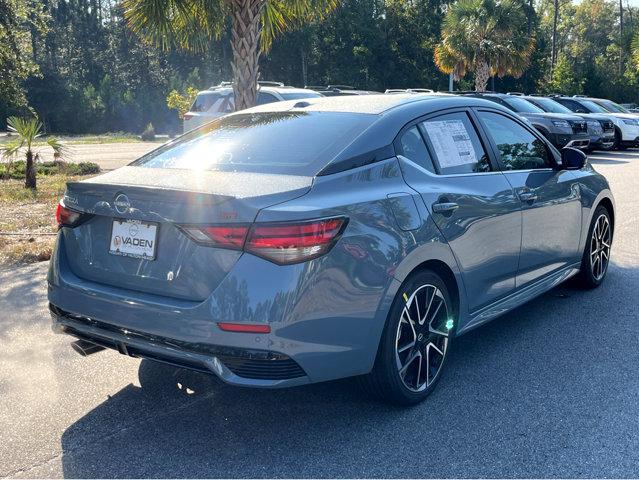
{"points": [[305, 241]]}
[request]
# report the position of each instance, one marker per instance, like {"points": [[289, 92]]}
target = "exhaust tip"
{"points": [[86, 348]]}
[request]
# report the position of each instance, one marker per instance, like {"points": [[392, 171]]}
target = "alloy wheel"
{"points": [[422, 337], [600, 247]]}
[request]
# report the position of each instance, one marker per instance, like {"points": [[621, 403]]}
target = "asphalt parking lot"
{"points": [[551, 389]]}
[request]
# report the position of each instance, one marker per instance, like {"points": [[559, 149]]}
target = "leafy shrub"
{"points": [[149, 133]]}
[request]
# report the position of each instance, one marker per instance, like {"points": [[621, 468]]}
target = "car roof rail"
{"points": [[316, 87], [395, 90], [517, 94], [269, 83], [340, 87], [420, 90]]}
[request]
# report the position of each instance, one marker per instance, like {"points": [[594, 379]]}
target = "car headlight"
{"points": [[631, 121], [561, 123]]}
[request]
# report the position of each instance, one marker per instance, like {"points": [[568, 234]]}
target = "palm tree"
{"points": [[28, 130], [487, 37], [634, 50], [192, 24]]}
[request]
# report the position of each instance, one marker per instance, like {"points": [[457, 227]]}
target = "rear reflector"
{"points": [[244, 328], [281, 243]]}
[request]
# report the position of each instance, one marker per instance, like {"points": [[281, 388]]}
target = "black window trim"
{"points": [[483, 139], [552, 154]]}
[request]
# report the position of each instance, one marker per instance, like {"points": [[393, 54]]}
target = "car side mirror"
{"points": [[572, 159]]}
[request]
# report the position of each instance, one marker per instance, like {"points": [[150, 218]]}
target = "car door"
{"points": [[550, 198], [469, 199]]}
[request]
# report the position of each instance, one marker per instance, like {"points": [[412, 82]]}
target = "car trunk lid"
{"points": [[152, 204]]}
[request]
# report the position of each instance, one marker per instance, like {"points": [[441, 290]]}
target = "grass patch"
{"points": [[17, 169], [25, 211]]}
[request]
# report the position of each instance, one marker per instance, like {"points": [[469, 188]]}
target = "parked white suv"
{"points": [[219, 100]]}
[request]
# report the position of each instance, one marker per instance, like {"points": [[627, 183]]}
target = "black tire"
{"points": [[385, 381], [589, 275], [618, 145]]}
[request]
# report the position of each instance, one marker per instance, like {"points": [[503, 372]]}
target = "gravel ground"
{"points": [[549, 390]]}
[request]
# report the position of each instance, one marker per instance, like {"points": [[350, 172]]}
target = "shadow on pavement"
{"points": [[548, 390]]}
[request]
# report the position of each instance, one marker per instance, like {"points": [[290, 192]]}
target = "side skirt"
{"points": [[519, 297]]}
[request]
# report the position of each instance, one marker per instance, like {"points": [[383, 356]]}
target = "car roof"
{"points": [[226, 89], [371, 104]]}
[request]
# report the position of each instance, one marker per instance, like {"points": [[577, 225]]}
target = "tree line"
{"points": [[88, 66]]}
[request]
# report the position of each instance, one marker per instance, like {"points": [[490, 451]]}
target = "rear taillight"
{"points": [[281, 243], [294, 242], [65, 217]]}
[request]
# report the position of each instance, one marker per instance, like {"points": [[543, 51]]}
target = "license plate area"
{"points": [[134, 238]]}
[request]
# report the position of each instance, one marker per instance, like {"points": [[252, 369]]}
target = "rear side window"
{"points": [[413, 147], [518, 148], [455, 144], [209, 102], [291, 143], [263, 98]]}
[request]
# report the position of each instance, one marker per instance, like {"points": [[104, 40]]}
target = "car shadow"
{"points": [[530, 394]]}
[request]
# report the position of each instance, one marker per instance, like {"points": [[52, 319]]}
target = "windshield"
{"points": [[549, 105], [289, 143], [522, 106], [612, 106]]}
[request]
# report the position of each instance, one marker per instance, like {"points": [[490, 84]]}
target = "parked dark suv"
{"points": [[600, 128], [562, 130]]}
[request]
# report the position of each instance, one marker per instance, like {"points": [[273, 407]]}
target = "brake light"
{"points": [[223, 236], [281, 243], [65, 217], [294, 242]]}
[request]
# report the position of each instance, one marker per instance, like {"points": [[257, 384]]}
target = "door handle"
{"points": [[445, 207], [527, 196]]}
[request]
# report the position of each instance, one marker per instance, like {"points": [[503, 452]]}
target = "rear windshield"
{"points": [[291, 143]]}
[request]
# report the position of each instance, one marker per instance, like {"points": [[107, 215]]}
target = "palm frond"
{"points": [[60, 151], [27, 129]]}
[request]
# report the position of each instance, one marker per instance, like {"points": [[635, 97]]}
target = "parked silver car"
{"points": [[219, 100]]}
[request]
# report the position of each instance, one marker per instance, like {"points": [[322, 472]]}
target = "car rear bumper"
{"points": [[237, 366], [324, 324]]}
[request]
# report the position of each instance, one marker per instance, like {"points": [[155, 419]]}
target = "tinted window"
{"points": [[263, 98], [593, 107], [455, 144], [413, 147], [549, 105], [296, 95], [293, 143], [574, 105], [208, 102], [519, 149]]}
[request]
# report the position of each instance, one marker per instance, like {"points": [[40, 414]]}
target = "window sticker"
{"points": [[451, 142]]}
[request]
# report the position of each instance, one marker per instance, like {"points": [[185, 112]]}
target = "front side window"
{"points": [[455, 144], [518, 148], [413, 147]]}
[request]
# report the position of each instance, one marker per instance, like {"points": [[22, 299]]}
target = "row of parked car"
{"points": [[578, 121]]}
